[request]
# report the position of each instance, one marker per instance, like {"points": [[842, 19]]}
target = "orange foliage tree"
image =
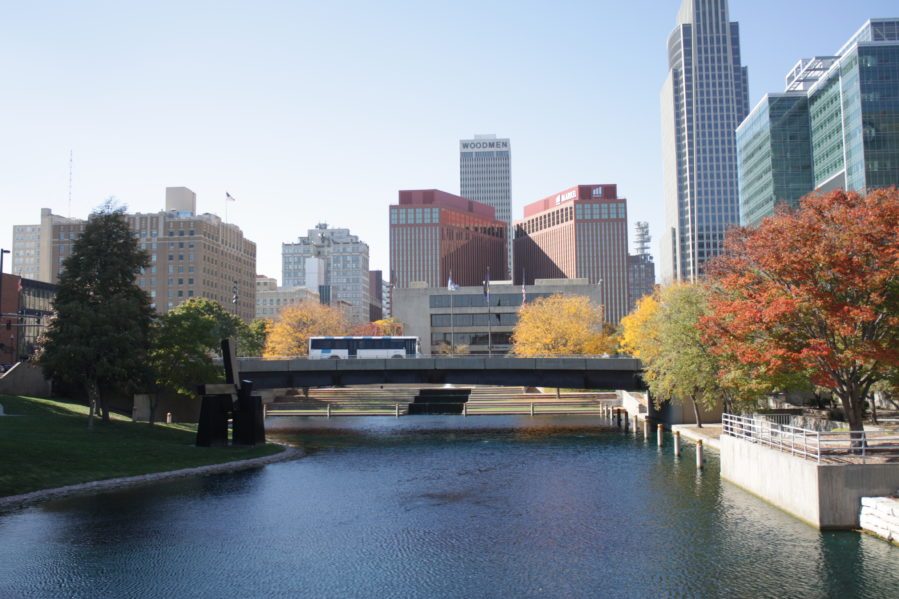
{"points": [[289, 335], [386, 327], [814, 290]]}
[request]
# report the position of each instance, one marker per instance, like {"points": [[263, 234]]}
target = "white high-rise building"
{"points": [[704, 98], [485, 176], [336, 262]]}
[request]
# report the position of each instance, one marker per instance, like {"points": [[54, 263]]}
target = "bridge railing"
{"points": [[448, 356]]}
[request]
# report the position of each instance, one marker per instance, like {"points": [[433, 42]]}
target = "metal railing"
{"points": [[503, 408], [807, 443]]}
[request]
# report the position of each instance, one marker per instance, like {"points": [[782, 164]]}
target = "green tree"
{"points": [[99, 340], [185, 341], [251, 340]]}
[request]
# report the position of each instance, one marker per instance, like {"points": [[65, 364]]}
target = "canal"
{"points": [[441, 507]]}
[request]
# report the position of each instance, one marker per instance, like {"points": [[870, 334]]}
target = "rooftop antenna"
{"points": [[70, 184], [642, 238]]}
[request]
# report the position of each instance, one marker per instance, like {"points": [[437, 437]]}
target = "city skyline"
{"points": [[241, 106]]}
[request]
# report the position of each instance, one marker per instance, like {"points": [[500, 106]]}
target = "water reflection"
{"points": [[448, 507]]}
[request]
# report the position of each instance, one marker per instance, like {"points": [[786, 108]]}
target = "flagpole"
{"points": [[489, 319], [452, 321]]}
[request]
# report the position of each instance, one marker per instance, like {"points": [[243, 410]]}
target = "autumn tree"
{"points": [[677, 364], [815, 290], [289, 335], [385, 327], [561, 325], [639, 328], [99, 339]]}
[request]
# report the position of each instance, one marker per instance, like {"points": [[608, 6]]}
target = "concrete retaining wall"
{"points": [[25, 378], [827, 496]]}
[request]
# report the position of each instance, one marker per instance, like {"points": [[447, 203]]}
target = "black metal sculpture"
{"points": [[233, 400]]}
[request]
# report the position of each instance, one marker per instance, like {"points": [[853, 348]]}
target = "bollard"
{"points": [[532, 409], [676, 443], [328, 410], [660, 431], [699, 454], [397, 409], [168, 417]]}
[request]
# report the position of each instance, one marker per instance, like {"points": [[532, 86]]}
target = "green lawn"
{"points": [[45, 444]]}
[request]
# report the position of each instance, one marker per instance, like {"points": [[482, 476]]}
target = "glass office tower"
{"points": [[835, 127], [704, 98]]}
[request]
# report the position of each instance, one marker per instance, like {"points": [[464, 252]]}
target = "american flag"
{"points": [[524, 293]]}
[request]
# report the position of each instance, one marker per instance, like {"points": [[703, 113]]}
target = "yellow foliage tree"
{"points": [[561, 325], [639, 329], [289, 335]]}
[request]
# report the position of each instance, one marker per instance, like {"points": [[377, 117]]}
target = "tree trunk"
{"points": [[92, 395], [696, 411], [154, 402], [558, 393], [874, 408], [104, 408], [853, 409]]}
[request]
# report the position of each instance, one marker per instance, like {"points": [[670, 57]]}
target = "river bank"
{"points": [[46, 448]]}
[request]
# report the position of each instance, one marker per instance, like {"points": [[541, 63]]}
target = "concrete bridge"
{"points": [[569, 373]]}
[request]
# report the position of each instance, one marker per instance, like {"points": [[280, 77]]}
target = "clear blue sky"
{"points": [[321, 111]]}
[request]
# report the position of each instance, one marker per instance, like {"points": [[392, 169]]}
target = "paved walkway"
{"points": [[709, 433], [110, 484]]}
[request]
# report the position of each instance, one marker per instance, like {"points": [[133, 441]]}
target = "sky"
{"points": [[310, 112]]}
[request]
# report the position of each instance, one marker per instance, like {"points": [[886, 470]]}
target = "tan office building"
{"points": [[191, 255]]}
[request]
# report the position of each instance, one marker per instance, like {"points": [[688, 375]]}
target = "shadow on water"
{"points": [[441, 507]]}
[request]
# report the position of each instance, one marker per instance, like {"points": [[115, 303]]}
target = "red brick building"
{"points": [[434, 233], [580, 232], [26, 306]]}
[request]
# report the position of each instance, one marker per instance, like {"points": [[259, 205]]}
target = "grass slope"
{"points": [[45, 444]]}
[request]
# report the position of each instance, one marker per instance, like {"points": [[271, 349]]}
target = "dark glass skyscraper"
{"points": [[704, 98]]}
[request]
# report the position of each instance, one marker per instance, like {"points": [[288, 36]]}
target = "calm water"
{"points": [[441, 507]]}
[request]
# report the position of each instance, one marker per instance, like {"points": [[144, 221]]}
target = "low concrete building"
{"points": [[461, 321]]}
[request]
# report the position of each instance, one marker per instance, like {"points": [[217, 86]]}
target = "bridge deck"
{"points": [[572, 373]]}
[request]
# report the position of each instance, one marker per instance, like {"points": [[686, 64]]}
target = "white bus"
{"points": [[342, 348]]}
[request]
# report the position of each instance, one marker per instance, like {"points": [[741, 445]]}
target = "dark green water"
{"points": [[441, 507]]}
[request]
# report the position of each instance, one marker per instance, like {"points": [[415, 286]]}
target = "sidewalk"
{"points": [[709, 433]]}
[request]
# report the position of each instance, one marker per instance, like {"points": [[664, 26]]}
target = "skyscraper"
{"points": [[333, 263], [580, 232], [485, 177], [704, 98], [834, 126]]}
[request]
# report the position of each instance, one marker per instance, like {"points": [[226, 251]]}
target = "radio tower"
{"points": [[642, 238]]}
